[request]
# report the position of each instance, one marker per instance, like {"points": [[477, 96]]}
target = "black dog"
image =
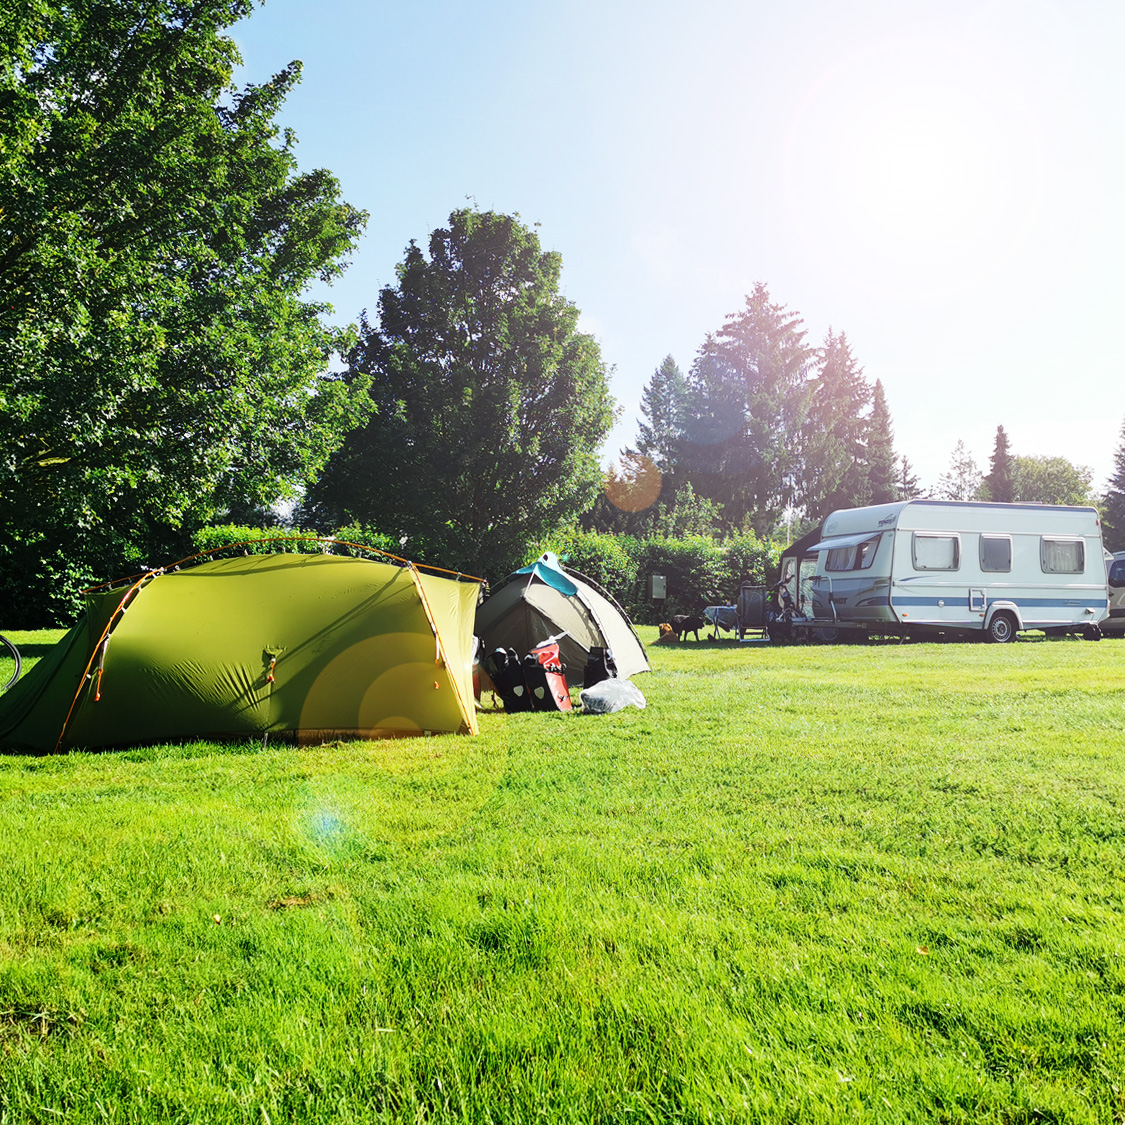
{"points": [[682, 624]]}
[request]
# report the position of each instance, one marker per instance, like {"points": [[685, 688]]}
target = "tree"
{"points": [[834, 469], [881, 458], [748, 394], [999, 484], [686, 514], [662, 408], [156, 360], [1113, 501], [490, 405], [907, 485], [1050, 480], [627, 503], [963, 480]]}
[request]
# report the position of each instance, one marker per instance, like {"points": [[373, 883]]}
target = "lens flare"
{"points": [[633, 483]]}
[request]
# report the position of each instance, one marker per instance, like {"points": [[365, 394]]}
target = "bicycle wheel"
{"points": [[7, 644]]}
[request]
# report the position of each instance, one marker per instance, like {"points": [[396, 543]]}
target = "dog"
{"points": [[667, 636], [683, 623]]}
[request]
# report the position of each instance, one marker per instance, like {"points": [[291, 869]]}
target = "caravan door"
{"points": [[930, 590]]}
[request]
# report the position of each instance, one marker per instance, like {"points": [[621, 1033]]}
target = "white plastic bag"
{"points": [[611, 695]]}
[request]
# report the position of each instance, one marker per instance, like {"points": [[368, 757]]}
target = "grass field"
{"points": [[875, 883]]}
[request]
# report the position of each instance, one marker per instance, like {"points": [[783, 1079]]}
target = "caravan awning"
{"points": [[842, 541]]}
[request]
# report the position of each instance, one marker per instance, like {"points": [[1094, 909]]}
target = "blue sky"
{"points": [[944, 182]]}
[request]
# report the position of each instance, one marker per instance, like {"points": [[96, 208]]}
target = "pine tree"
{"points": [[963, 480], [1113, 518], [662, 411], [834, 469], [759, 355], [908, 486], [999, 485], [881, 459]]}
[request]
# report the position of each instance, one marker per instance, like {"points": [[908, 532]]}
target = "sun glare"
{"points": [[911, 161]]}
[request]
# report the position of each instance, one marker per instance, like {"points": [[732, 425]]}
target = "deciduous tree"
{"points": [[1050, 480], [490, 405], [156, 359]]}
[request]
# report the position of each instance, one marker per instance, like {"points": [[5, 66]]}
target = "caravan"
{"points": [[922, 567]]}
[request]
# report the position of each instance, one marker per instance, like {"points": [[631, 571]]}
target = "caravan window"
{"points": [[936, 552], [859, 557], [865, 553], [995, 553], [1062, 556]]}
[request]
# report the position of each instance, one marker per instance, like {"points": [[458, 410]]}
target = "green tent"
{"points": [[313, 646]]}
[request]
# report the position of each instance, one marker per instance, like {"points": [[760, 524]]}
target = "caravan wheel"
{"points": [[1002, 628]]}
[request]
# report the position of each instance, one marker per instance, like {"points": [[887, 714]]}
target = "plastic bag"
{"points": [[611, 695]]}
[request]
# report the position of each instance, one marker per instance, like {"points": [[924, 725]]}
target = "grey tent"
{"points": [[546, 599]]}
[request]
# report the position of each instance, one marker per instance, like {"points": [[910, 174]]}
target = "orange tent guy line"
{"points": [[114, 618]]}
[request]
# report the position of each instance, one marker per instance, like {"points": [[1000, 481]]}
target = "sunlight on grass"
{"points": [[884, 882]]}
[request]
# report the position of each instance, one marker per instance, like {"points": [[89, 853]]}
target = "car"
{"points": [[1114, 624]]}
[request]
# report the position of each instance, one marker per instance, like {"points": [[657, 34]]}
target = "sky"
{"points": [[944, 182]]}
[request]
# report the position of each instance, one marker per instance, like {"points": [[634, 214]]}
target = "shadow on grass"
{"points": [[159, 751], [34, 652]]}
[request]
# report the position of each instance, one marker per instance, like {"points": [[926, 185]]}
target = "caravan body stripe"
{"points": [[1036, 603]]}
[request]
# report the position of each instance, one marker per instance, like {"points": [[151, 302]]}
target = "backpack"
{"points": [[503, 668], [544, 674], [600, 665]]}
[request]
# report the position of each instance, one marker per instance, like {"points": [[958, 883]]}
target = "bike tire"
{"points": [[7, 644]]}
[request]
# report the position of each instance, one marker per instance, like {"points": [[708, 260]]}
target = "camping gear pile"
{"points": [[313, 646], [535, 683], [538, 681]]}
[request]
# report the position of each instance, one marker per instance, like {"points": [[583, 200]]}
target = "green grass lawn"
{"points": [[874, 883]]}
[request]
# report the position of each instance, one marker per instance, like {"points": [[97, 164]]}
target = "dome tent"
{"points": [[315, 646], [546, 599]]}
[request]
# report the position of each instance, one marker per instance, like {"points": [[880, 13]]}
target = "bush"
{"points": [[750, 559], [700, 571], [265, 540], [695, 570]]}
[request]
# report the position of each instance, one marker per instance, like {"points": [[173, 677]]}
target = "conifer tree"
{"points": [[662, 411], [881, 459], [1113, 512], [963, 480], [834, 469], [908, 486], [748, 392], [999, 485]]}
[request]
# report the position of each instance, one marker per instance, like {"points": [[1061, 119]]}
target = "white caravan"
{"points": [[926, 566]]}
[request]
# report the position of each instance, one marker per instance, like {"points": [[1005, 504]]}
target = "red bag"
{"points": [[544, 672]]}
